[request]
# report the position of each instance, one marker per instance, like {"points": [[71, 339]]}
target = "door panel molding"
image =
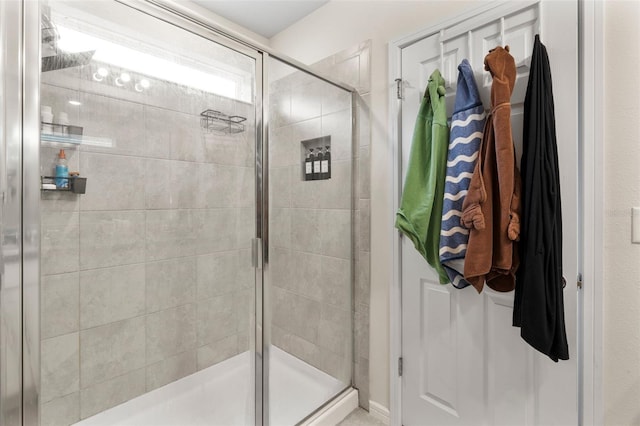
{"points": [[591, 128]]}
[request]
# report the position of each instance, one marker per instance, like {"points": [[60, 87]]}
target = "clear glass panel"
{"points": [[147, 284], [310, 243]]}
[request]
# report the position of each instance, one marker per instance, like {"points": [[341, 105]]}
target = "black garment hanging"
{"points": [[538, 306]]}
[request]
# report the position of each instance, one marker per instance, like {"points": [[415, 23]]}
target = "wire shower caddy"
{"points": [[218, 122]]}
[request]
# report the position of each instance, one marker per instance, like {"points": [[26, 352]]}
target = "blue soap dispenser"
{"points": [[62, 171]]}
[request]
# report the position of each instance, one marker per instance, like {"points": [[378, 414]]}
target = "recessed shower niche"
{"points": [[316, 158]]}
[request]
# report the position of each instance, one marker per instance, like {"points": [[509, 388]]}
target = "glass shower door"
{"points": [[148, 168]]}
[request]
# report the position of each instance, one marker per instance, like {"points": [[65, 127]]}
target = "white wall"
{"points": [[338, 25], [229, 27], [622, 192]]}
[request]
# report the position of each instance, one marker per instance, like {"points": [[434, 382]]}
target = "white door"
{"points": [[464, 363]]}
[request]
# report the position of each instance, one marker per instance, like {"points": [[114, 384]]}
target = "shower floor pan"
{"points": [[222, 395]]}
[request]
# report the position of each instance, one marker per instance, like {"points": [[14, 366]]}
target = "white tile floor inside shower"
{"points": [[222, 395]]}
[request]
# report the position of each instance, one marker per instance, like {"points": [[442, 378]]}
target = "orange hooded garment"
{"points": [[491, 209]]}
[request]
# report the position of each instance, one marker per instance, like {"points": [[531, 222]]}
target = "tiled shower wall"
{"points": [[312, 256], [146, 278]]}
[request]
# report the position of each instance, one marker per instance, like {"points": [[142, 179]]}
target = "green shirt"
{"points": [[420, 213]]}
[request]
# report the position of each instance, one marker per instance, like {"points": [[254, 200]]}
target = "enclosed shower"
{"points": [[181, 206]]}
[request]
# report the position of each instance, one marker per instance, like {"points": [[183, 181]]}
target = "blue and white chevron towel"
{"points": [[467, 123]]}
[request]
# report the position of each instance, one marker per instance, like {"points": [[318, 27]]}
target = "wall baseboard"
{"points": [[379, 412]]}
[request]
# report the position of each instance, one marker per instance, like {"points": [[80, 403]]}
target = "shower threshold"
{"points": [[223, 395]]}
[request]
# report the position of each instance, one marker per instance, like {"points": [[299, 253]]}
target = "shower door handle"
{"points": [[256, 253]]}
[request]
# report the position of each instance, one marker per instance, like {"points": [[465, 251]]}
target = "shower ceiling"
{"points": [[264, 17]]}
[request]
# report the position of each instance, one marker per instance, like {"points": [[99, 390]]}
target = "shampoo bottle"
{"points": [[317, 161], [62, 171], [46, 117], [326, 163], [63, 124], [308, 166]]}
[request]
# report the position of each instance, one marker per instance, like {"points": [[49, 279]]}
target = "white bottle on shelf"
{"points": [[63, 122], [46, 116]]}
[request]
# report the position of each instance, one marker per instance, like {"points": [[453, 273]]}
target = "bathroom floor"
{"points": [[360, 417], [223, 395]]}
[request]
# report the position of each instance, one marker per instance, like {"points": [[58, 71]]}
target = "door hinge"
{"points": [[399, 88], [400, 366], [579, 281]]}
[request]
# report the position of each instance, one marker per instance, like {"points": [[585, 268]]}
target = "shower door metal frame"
{"points": [[19, 214], [31, 213], [11, 338]]}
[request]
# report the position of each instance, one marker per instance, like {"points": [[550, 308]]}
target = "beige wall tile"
{"points": [[170, 283], [364, 223], [334, 331], [218, 185], [245, 227], [171, 233], [187, 140], [59, 247], [184, 185], [114, 182], [171, 369], [306, 100], [296, 313], [157, 132], [336, 282], [111, 294], [218, 230], [280, 227], [59, 304], [306, 274], [157, 184], [217, 274], [110, 393], [334, 99], [338, 126], [111, 238], [362, 291], [59, 362], [335, 233], [338, 366], [217, 319], [111, 350], [111, 125], [170, 332], [217, 351], [61, 411], [280, 187], [296, 346], [305, 230], [283, 151], [364, 172]]}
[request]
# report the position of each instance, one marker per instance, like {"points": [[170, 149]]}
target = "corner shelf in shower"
{"points": [[77, 184], [218, 122]]}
